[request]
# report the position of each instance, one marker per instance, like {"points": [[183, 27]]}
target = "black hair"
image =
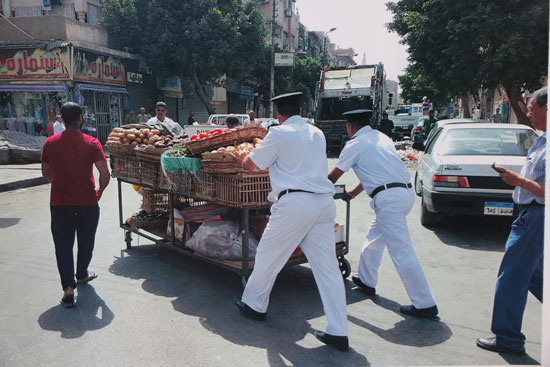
{"points": [[231, 121], [289, 107], [384, 113], [70, 113]]}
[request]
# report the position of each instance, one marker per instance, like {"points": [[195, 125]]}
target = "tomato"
{"points": [[194, 137], [226, 130], [216, 132], [203, 136]]}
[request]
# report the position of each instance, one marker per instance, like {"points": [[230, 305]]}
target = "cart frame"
{"points": [[243, 267]]}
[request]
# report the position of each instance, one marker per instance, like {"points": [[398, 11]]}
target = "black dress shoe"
{"points": [[419, 312], [491, 344], [248, 312], [369, 291], [338, 342]]}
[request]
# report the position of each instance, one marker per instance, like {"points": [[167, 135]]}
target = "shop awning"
{"points": [[34, 88], [101, 88]]}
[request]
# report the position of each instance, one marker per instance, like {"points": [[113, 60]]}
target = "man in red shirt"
{"points": [[67, 162]]}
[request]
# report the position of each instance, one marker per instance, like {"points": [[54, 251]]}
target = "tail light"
{"points": [[417, 130], [451, 181]]}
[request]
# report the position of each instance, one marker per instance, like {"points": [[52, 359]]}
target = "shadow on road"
{"points": [[8, 222], [74, 322], [525, 360], [410, 331], [207, 292], [474, 232]]}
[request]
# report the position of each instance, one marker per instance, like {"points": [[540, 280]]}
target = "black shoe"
{"points": [[419, 312], [369, 291], [491, 344], [248, 312], [338, 342]]}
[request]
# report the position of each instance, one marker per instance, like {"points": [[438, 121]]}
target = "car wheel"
{"points": [[417, 185], [426, 217]]}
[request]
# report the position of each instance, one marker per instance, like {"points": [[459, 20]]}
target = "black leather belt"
{"points": [[284, 192], [520, 207], [389, 186]]}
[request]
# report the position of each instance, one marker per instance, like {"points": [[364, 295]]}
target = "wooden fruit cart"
{"points": [[246, 192]]}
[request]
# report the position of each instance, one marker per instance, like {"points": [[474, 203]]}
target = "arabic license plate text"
{"points": [[495, 208]]}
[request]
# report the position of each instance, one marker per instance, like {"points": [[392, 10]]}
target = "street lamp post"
{"points": [[325, 59]]}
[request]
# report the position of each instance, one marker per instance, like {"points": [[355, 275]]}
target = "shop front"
{"points": [[100, 90], [33, 87]]}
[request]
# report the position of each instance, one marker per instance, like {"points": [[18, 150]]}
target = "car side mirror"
{"points": [[419, 146]]}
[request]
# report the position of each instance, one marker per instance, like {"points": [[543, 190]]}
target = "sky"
{"points": [[360, 24]]}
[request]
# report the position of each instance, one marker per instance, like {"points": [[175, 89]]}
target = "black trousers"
{"points": [[66, 221]]}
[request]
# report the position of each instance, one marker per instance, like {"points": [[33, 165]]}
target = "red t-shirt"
{"points": [[71, 156]]}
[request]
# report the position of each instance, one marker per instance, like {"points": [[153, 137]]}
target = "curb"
{"points": [[10, 186]]}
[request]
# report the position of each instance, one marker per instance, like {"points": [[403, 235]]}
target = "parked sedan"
{"points": [[454, 174]]}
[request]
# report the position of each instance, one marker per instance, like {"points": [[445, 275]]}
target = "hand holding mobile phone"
{"points": [[495, 168]]}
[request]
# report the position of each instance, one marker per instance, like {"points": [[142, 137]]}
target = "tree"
{"points": [[462, 45], [203, 39], [415, 85]]}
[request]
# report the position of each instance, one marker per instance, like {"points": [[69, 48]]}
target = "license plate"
{"points": [[495, 208]]}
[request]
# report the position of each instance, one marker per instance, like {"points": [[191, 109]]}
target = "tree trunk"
{"points": [[202, 96], [465, 104], [518, 104]]}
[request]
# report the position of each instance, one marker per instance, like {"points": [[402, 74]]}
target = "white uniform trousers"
{"points": [[305, 220], [390, 229]]}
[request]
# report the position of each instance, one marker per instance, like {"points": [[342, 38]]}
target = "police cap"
{"points": [[358, 115], [287, 98]]}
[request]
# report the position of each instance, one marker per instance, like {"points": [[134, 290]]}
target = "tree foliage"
{"points": [[458, 46], [203, 39]]}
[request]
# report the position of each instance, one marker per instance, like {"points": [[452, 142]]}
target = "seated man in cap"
{"points": [[166, 125], [303, 215], [385, 178]]}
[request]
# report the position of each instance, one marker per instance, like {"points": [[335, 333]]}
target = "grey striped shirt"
{"points": [[534, 169]]}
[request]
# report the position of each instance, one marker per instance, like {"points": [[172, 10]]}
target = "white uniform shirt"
{"points": [[295, 153], [255, 123], [58, 127], [154, 120], [374, 160]]}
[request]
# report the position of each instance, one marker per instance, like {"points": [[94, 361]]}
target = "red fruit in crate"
{"points": [[194, 137], [226, 130], [203, 136]]}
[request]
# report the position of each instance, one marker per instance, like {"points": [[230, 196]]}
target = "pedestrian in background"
{"points": [[131, 117], [58, 126], [497, 117], [386, 125], [429, 124], [426, 105], [303, 215], [67, 162], [143, 116], [521, 269], [251, 120], [384, 176], [191, 118]]}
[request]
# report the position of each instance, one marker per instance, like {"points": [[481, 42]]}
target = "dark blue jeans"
{"points": [[521, 272], [66, 221]]}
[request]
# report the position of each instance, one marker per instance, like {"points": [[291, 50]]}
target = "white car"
{"points": [[219, 119], [454, 174]]}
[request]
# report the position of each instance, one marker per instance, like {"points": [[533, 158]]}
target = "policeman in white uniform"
{"points": [[385, 178], [303, 215]]}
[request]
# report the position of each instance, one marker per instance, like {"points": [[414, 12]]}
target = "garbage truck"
{"points": [[342, 89]]}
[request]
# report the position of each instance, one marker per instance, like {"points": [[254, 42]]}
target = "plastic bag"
{"points": [[221, 239], [179, 225]]}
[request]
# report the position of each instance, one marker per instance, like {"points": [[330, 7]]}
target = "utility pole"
{"points": [[272, 72]]}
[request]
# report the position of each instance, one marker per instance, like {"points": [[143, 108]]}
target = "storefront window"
{"points": [[29, 112]]}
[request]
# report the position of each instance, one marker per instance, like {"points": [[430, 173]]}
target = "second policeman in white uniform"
{"points": [[303, 215], [385, 178]]}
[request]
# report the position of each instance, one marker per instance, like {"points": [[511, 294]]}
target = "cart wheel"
{"points": [[345, 267], [128, 239]]}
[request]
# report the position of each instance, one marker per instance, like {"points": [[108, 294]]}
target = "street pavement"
{"points": [[151, 306]]}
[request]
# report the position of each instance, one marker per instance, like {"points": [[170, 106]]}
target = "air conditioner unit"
{"points": [[288, 13]]}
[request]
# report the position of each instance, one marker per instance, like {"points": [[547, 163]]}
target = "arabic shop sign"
{"points": [[93, 67], [35, 64]]}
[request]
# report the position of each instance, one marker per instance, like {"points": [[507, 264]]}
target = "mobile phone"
{"points": [[496, 169]]}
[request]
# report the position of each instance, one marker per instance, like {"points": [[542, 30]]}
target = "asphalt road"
{"points": [[152, 306]]}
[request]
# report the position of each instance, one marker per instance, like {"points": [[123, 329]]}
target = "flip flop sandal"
{"points": [[91, 276], [68, 301]]}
